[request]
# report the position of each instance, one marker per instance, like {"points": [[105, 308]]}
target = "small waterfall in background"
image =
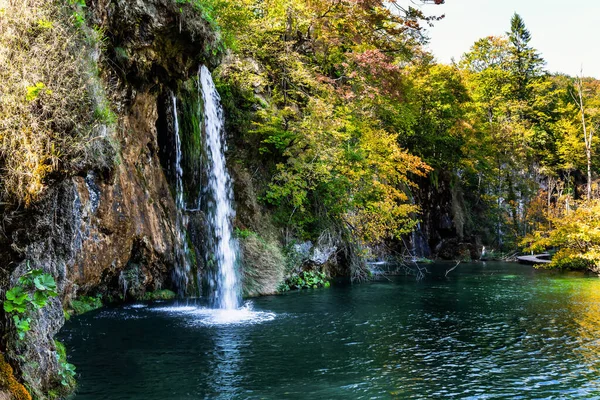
{"points": [[420, 247], [222, 244], [182, 270]]}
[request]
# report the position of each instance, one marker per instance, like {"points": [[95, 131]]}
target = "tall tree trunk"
{"points": [[588, 153], [587, 135]]}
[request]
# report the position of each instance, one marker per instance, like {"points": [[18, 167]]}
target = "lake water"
{"points": [[487, 331]]}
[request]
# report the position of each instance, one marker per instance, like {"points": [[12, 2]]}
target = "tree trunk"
{"points": [[587, 136], [588, 153]]}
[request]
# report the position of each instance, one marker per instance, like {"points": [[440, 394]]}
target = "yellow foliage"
{"points": [[576, 232]]}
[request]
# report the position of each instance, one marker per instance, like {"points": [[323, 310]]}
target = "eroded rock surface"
{"points": [[109, 231]]}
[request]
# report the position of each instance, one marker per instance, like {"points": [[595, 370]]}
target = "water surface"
{"points": [[487, 331]]}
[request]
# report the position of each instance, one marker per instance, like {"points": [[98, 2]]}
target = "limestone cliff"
{"points": [[108, 228]]}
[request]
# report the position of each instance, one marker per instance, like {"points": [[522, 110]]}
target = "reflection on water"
{"points": [[224, 377], [493, 331], [585, 307]]}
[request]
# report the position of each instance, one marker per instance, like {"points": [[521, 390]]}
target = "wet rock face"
{"points": [[156, 41], [130, 214], [108, 231], [97, 233]]}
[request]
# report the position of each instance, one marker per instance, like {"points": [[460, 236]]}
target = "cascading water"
{"points": [[222, 244], [181, 272], [420, 248]]}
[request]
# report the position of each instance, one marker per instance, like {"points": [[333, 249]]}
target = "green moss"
{"points": [[61, 350], [66, 372], [163, 294], [85, 304], [191, 253], [103, 114], [190, 128]]}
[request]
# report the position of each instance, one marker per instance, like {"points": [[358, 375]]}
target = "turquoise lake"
{"points": [[487, 331]]}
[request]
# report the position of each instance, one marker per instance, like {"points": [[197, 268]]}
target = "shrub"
{"points": [[576, 233], [305, 280], [85, 304], [163, 294], [264, 264], [66, 371]]}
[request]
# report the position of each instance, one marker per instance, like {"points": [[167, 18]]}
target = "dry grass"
{"points": [[54, 117], [264, 265]]}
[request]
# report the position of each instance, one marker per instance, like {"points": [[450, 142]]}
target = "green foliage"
{"points": [[305, 280], [103, 114], [84, 304], [518, 123], [79, 12], [319, 133], [16, 300], [33, 92], [32, 292], [22, 325], [243, 233], [162, 294], [439, 95], [66, 371]]}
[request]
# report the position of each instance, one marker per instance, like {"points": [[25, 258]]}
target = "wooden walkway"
{"points": [[535, 259]]}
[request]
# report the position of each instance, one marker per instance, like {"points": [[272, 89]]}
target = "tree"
{"points": [[489, 52], [577, 235], [331, 79], [588, 132], [526, 63]]}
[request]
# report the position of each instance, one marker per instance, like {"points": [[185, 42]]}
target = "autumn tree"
{"points": [[328, 85]]}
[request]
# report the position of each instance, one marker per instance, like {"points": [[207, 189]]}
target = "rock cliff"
{"points": [[108, 229]]}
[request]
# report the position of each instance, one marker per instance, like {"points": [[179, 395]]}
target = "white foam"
{"points": [[175, 309], [136, 306], [216, 317]]}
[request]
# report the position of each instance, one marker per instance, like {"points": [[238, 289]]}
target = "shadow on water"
{"points": [[486, 331]]}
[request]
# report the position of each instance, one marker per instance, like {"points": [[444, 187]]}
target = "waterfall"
{"points": [[420, 247], [182, 270], [222, 245]]}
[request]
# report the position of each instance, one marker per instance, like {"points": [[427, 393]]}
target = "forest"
{"points": [[357, 129]]}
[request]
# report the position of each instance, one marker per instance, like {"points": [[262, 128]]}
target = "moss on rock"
{"points": [[84, 304], [10, 388], [163, 294]]}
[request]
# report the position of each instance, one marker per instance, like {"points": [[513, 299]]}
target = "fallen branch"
{"points": [[451, 269]]}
